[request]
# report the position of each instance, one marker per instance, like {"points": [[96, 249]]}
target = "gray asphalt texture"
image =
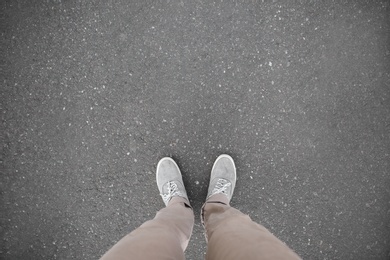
{"points": [[94, 93]]}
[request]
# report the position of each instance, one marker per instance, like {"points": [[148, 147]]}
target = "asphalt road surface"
{"points": [[94, 93]]}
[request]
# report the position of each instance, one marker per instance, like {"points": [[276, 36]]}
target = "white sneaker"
{"points": [[169, 180], [223, 177]]}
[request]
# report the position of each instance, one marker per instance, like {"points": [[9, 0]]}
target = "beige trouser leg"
{"points": [[164, 237], [232, 235]]}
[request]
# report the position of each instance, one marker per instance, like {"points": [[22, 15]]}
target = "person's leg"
{"points": [[230, 233], [167, 235], [164, 237]]}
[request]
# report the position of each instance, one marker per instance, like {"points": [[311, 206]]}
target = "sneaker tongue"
{"points": [[222, 186], [173, 188], [220, 182]]}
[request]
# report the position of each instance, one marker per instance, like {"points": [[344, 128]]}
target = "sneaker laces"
{"points": [[173, 190], [221, 186]]}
